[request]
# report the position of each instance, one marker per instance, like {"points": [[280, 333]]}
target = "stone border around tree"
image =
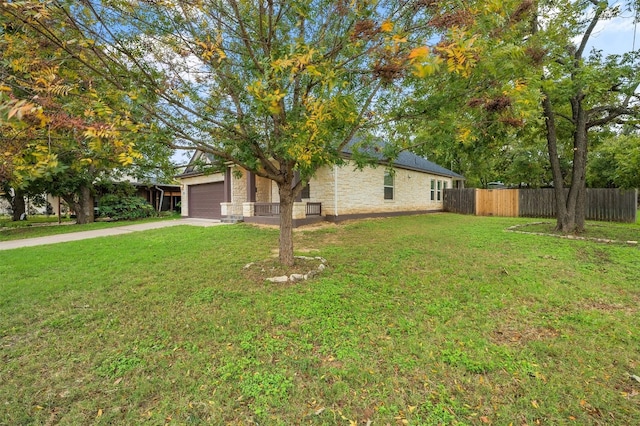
{"points": [[298, 277], [515, 228]]}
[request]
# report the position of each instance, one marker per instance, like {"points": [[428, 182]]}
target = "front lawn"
{"points": [[423, 320]]}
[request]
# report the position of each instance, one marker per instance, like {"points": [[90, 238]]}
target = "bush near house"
{"points": [[124, 207]]}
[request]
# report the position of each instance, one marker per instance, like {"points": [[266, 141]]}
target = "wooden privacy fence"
{"points": [[497, 202], [608, 204], [460, 200]]}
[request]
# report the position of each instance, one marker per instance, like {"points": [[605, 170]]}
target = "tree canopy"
{"points": [[63, 126], [276, 87], [534, 90]]}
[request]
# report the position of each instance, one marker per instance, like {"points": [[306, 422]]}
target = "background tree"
{"points": [[63, 128], [583, 93], [615, 163], [276, 87], [528, 73]]}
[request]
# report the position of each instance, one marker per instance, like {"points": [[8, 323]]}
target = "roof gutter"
{"points": [[161, 197]]}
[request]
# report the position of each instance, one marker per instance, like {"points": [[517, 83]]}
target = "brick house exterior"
{"points": [[334, 193]]}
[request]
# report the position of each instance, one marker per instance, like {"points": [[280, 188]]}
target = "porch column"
{"points": [[251, 187], [296, 179], [227, 185]]}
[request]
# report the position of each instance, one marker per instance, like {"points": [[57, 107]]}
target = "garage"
{"points": [[205, 199]]}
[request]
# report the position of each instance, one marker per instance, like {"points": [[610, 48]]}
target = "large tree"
{"points": [[583, 92], [63, 127], [471, 104], [530, 77], [276, 87]]}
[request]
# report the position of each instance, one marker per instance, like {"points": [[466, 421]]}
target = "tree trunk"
{"points": [[562, 215], [579, 176], [17, 205], [82, 205], [286, 223], [571, 207]]}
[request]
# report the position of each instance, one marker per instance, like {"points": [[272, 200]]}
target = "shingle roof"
{"points": [[407, 160]]}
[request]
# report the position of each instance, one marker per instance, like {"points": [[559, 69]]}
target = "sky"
{"points": [[616, 36]]}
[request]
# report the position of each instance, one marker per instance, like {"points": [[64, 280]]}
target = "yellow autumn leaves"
{"points": [[270, 98], [211, 49], [459, 54], [34, 163], [308, 138]]}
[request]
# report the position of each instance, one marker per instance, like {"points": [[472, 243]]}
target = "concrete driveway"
{"points": [[118, 230]]}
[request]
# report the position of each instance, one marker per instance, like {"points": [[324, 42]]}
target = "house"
{"points": [[333, 193], [162, 196]]}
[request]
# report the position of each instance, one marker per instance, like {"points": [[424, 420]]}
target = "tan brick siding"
{"points": [[358, 191], [238, 186], [362, 191], [263, 187]]}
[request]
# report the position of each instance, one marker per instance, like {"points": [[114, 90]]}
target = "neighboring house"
{"points": [[163, 197], [333, 193]]}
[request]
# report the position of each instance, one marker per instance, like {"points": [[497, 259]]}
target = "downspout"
{"points": [[161, 198], [335, 190]]}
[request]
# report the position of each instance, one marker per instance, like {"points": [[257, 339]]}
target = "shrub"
{"points": [[123, 207]]}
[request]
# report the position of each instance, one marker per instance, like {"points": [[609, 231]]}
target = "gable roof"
{"points": [[197, 159]]}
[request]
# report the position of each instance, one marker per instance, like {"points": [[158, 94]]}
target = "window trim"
{"points": [[390, 186], [306, 190]]}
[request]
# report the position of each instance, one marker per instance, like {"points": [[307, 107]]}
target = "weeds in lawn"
{"points": [[118, 366]]}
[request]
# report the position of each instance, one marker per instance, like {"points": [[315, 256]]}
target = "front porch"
{"points": [[269, 213], [254, 199], [273, 209], [304, 213]]}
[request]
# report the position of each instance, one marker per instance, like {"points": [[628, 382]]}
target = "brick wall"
{"points": [[358, 191], [263, 190], [238, 186], [362, 191]]}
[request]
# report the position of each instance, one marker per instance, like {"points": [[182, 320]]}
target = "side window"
{"points": [[439, 190], [388, 186], [306, 192], [433, 189]]}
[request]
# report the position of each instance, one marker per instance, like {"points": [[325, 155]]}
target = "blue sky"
{"points": [[615, 36]]}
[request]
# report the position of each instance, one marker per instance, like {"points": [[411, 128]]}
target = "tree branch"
{"points": [[587, 34]]}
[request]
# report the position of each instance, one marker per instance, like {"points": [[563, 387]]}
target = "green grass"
{"points": [[436, 319], [42, 227], [5, 221]]}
